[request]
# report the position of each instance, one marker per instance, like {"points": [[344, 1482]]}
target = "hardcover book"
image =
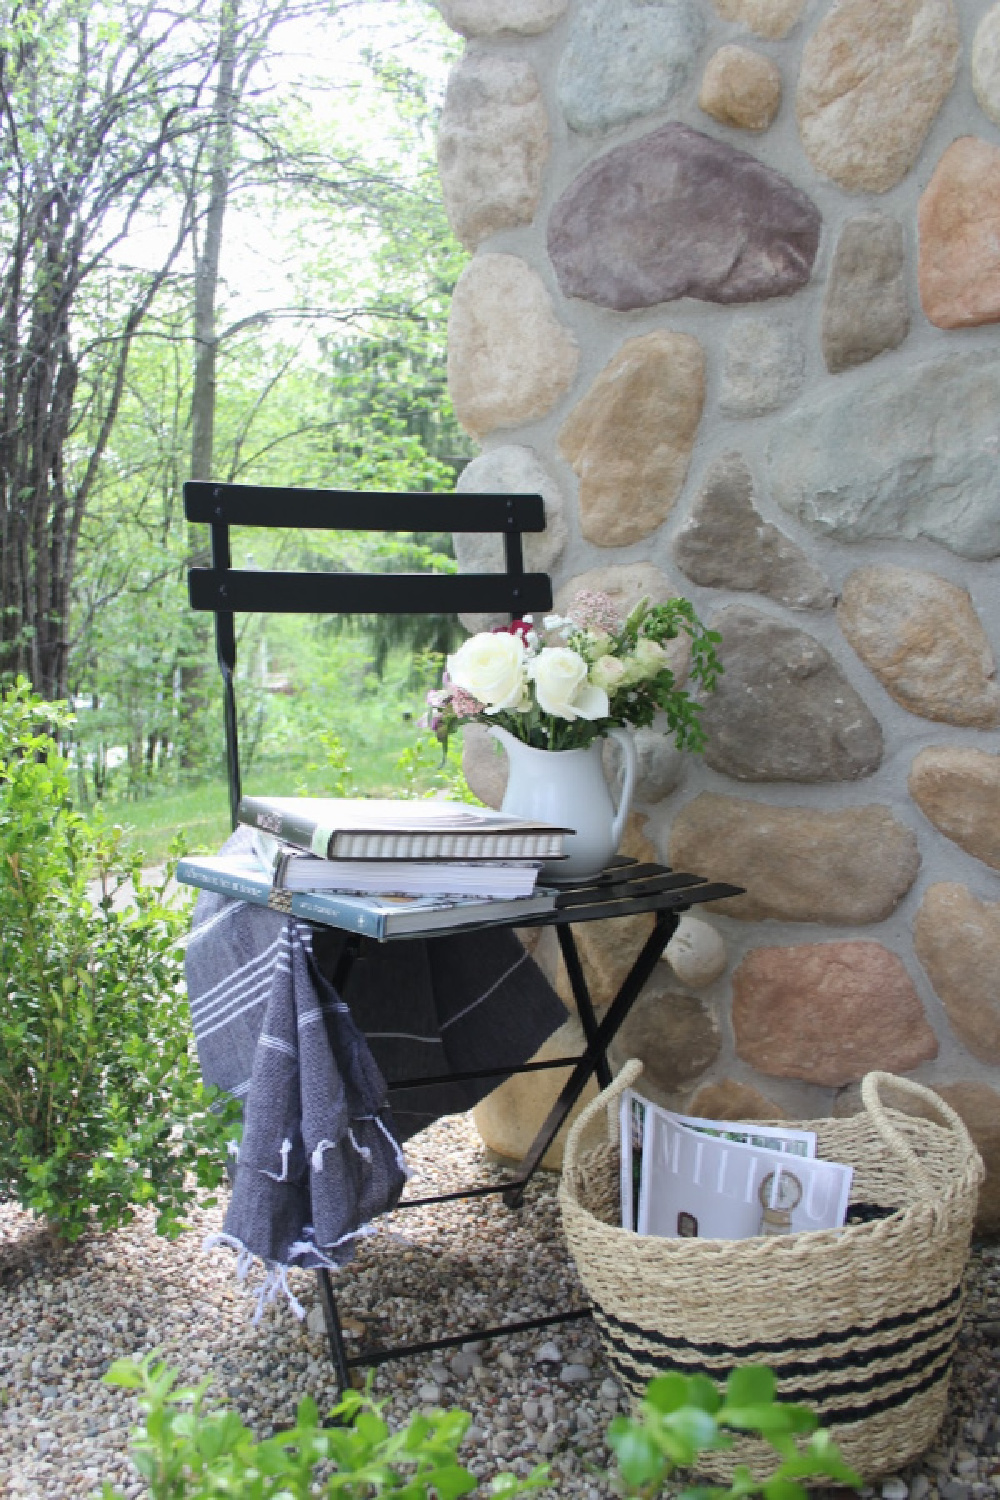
{"points": [[293, 869], [377, 916], [393, 828]]}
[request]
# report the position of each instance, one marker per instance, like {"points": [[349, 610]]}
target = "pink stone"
{"points": [[828, 1012], [959, 223]]}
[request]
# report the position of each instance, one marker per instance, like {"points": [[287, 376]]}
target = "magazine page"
{"points": [[752, 1133], [696, 1185], [633, 1123]]}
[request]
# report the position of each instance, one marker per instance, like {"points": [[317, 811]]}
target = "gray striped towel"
{"points": [[320, 1155]]}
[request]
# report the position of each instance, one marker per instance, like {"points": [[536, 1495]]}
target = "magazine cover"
{"points": [[698, 1185]]}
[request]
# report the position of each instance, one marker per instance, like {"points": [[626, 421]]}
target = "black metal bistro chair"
{"points": [[625, 889]]}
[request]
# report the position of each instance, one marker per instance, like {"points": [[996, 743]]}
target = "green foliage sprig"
{"points": [[102, 1108], [187, 1452]]}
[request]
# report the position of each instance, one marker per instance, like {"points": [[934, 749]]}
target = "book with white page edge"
{"points": [[399, 828], [293, 869], [697, 1185]]}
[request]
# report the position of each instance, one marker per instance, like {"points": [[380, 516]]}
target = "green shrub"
{"points": [[185, 1452], [101, 1102]]}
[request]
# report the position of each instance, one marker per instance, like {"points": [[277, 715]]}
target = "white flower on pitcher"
{"points": [[562, 686], [492, 668]]}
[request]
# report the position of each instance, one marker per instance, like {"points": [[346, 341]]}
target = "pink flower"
{"points": [[464, 705], [595, 611]]}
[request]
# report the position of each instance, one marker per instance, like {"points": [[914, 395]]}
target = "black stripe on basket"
{"points": [[625, 1361], [824, 1340]]}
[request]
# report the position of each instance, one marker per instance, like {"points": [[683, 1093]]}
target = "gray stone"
{"points": [[494, 17], [574, 1374], [986, 63], [661, 766], [483, 764], [512, 470], [678, 214], [493, 143], [509, 357], [783, 710], [873, 78], [865, 310], [922, 638], [798, 864], [625, 58], [898, 457], [726, 543], [764, 366], [676, 1036]]}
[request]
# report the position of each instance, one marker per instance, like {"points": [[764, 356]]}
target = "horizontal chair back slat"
{"points": [[348, 510], [368, 593]]}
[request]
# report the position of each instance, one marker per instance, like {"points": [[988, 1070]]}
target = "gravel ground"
{"points": [[65, 1314]]}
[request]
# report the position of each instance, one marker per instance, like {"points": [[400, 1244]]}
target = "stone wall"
{"points": [[733, 310]]}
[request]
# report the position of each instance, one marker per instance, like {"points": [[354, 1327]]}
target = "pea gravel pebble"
{"points": [[66, 1313]]}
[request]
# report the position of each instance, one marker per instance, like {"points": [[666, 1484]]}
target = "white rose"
{"points": [[608, 673], [649, 660], [491, 668], [562, 688]]}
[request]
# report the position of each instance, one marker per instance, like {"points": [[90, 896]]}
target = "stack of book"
{"points": [[384, 867], [686, 1177]]}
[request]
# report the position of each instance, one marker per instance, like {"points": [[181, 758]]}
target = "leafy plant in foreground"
{"points": [[102, 1108], [186, 1452]]}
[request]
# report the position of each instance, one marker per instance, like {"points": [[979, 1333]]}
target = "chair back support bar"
{"points": [[224, 590]]}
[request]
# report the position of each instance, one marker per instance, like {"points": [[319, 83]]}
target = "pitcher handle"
{"points": [[623, 738]]}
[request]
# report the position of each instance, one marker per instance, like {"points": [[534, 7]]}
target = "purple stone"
{"points": [[677, 214]]}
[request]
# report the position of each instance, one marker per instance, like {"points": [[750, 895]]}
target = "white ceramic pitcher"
{"points": [[568, 787]]}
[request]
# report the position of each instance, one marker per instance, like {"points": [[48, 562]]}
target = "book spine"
{"points": [[294, 829], [224, 883], [339, 911]]}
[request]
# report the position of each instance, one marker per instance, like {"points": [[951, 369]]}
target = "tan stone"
{"points": [[828, 1013], [873, 78], [958, 788], [625, 584], [725, 1099], [608, 949], [921, 636], [509, 1119], [741, 88], [798, 864], [631, 436], [773, 19], [986, 63], [675, 1035], [957, 939], [492, 146], [509, 357], [959, 222], [493, 17]]}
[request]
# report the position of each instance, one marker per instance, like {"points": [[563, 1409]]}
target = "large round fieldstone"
{"points": [[920, 634], [512, 470], [959, 222], [676, 1036], [873, 78], [865, 310], [782, 709], [958, 788], [494, 17], [626, 58], [773, 19], [901, 456], [798, 864], [509, 357], [828, 1013], [630, 438], [678, 214], [728, 1099], [726, 543], [957, 939], [492, 145]]}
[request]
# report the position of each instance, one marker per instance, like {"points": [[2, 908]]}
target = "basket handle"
{"points": [[870, 1097], [605, 1101]]}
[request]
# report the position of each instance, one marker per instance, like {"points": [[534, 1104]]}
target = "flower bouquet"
{"points": [[562, 683]]}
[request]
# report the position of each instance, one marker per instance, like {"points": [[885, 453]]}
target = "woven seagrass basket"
{"points": [[859, 1323]]}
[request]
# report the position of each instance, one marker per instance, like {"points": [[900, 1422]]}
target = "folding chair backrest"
{"points": [[226, 591]]}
